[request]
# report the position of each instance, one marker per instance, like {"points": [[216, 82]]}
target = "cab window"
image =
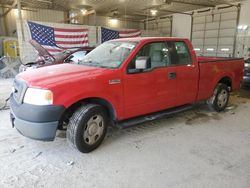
{"points": [[179, 53]]}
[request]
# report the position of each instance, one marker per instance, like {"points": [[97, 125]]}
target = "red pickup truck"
{"points": [[122, 82]]}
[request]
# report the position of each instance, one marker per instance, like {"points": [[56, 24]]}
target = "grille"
{"points": [[19, 89]]}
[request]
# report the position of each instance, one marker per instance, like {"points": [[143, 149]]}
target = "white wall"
{"points": [[243, 37], [181, 25], [244, 13]]}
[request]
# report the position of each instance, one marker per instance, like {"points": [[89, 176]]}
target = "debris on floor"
{"points": [[40, 153], [70, 163]]}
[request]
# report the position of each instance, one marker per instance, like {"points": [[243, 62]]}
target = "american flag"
{"points": [[58, 39], [109, 34]]}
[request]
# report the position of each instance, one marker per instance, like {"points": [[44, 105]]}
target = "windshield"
{"points": [[108, 54]]}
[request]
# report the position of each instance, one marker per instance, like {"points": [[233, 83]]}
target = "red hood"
{"points": [[41, 50], [46, 77]]}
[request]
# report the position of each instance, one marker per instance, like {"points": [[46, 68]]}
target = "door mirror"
{"points": [[142, 62]]}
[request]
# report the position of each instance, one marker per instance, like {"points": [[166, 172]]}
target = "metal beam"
{"points": [[140, 14], [172, 11], [159, 18], [194, 4], [45, 1], [236, 33], [20, 18], [14, 4], [23, 8]]}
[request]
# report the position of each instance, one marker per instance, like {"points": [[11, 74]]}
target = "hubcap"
{"points": [[94, 129], [222, 98]]}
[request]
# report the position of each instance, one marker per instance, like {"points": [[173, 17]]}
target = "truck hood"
{"points": [[59, 74], [41, 50]]}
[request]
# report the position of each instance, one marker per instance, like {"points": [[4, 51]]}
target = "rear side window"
{"points": [[179, 53]]}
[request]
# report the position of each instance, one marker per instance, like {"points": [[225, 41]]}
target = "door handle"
{"points": [[171, 75]]}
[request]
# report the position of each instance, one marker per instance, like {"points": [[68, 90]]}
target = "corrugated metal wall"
{"points": [[214, 32], [43, 15], [2, 31], [243, 46], [162, 27]]}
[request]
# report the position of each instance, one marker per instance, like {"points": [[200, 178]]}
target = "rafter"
{"points": [[14, 4]]}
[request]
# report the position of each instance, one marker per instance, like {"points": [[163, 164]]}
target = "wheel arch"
{"points": [[95, 100], [227, 81]]}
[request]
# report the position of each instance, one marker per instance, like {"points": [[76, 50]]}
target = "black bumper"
{"points": [[34, 121]]}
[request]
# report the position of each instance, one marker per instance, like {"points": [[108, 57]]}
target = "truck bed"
{"points": [[204, 59], [209, 69]]}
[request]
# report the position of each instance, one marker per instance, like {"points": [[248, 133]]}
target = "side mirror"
{"points": [[142, 62]]}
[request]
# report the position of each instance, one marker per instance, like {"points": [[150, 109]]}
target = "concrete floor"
{"points": [[198, 148]]}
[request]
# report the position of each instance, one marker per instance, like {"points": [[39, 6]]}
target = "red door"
{"points": [[187, 84], [153, 89], [187, 73], [165, 88], [139, 94]]}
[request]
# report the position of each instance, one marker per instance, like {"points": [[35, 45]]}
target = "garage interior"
{"points": [[195, 148]]}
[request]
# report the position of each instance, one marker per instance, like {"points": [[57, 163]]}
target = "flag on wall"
{"points": [[58, 39], [109, 34]]}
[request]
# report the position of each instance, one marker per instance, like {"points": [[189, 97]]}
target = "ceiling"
{"points": [[139, 9]]}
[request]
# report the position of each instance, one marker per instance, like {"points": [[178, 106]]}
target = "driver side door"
{"points": [[149, 90]]}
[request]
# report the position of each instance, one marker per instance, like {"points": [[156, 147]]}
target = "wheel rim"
{"points": [[94, 129], [222, 98]]}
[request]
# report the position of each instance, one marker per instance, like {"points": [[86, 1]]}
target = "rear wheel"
{"points": [[220, 98], [87, 127]]}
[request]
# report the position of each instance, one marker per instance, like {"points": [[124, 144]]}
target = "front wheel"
{"points": [[220, 98], [87, 127]]}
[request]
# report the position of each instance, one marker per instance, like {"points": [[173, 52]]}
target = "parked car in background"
{"points": [[246, 77], [122, 82], [46, 59]]}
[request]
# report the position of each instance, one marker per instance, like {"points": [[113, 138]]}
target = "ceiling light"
{"points": [[242, 27], [197, 49], [210, 49], [84, 11], [225, 49], [15, 12], [153, 12], [113, 21]]}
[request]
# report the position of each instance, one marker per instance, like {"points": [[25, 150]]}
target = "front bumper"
{"points": [[36, 122]]}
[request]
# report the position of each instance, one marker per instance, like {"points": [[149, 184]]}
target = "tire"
{"points": [[219, 100], [87, 127]]}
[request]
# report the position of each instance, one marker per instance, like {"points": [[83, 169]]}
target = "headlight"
{"points": [[38, 96]]}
